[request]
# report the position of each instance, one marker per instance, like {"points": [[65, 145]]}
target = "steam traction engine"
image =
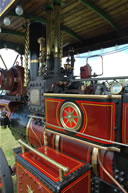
{"points": [[73, 135]]}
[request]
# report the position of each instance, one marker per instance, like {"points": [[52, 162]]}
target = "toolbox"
{"points": [[56, 172]]}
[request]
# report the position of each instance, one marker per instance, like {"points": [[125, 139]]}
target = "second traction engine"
{"points": [[12, 80], [77, 140]]}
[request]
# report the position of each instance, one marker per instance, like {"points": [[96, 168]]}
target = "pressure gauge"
{"points": [[116, 88]]}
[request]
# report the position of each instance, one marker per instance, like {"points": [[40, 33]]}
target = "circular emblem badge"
{"points": [[70, 116]]}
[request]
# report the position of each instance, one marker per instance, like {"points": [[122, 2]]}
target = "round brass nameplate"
{"points": [[70, 116]]}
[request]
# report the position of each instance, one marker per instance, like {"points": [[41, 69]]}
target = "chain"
{"points": [[27, 22]]}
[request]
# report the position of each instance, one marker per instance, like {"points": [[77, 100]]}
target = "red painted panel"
{"points": [[47, 168], [98, 118], [26, 181], [77, 150], [125, 124], [35, 135], [82, 184], [52, 107], [83, 152]]}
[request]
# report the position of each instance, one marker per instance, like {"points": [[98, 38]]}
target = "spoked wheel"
{"points": [[6, 185]]}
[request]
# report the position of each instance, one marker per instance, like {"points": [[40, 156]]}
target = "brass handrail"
{"points": [[111, 148], [115, 149], [62, 169]]}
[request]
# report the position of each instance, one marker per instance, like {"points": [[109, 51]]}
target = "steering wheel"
{"points": [[6, 184]]}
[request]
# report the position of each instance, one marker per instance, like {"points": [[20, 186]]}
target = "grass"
{"points": [[8, 143]]}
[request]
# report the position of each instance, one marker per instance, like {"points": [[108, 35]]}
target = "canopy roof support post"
{"points": [[27, 22]]}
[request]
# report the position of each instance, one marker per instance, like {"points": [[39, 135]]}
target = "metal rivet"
{"points": [[122, 173], [121, 179], [116, 171], [116, 177]]}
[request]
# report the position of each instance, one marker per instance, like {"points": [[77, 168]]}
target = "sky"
{"points": [[113, 64], [8, 57]]}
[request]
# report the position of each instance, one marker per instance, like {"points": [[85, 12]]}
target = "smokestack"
{"points": [[37, 30], [57, 65]]}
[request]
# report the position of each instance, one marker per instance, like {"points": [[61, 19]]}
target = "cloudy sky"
{"points": [[8, 57], [114, 64]]}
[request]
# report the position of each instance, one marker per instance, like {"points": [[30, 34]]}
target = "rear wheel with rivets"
{"points": [[6, 185]]}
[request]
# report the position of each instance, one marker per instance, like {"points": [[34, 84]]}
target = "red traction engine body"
{"points": [[76, 130], [84, 118]]}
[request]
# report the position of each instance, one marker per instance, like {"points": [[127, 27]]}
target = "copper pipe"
{"points": [[109, 175]]}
